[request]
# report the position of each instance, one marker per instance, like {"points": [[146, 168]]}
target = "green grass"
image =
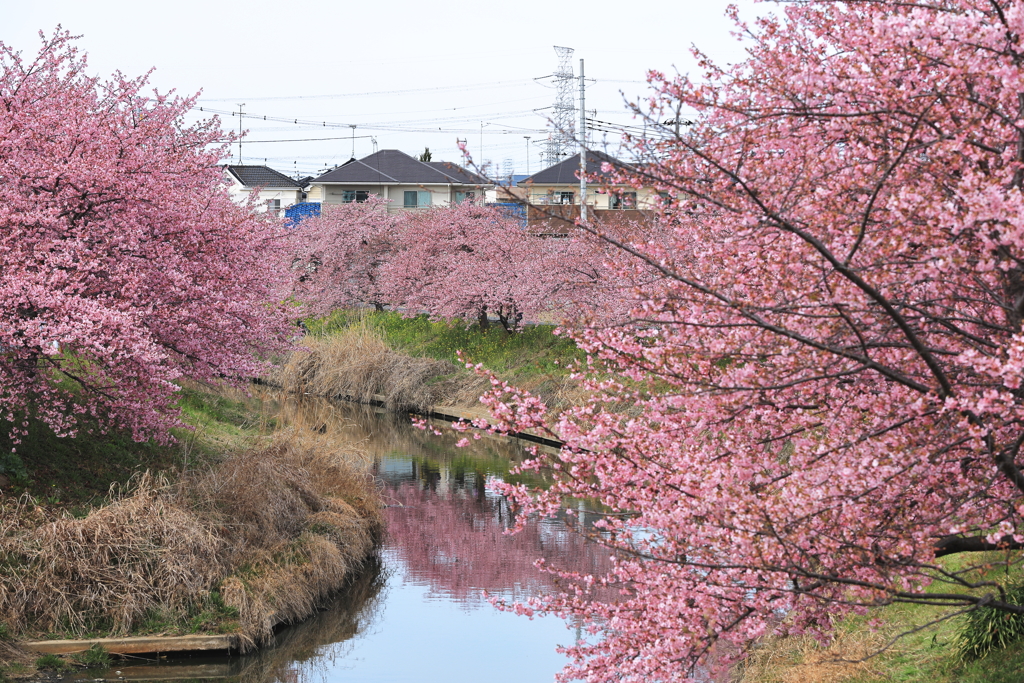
{"points": [[53, 663], [76, 472], [534, 352], [932, 654], [999, 666], [210, 616], [936, 654], [93, 658]]}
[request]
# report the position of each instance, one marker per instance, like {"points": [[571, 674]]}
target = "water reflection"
{"points": [[312, 650], [418, 614], [448, 531]]}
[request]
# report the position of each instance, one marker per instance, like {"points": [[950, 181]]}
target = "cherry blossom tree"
{"points": [[468, 261], [825, 385], [340, 255], [123, 263]]}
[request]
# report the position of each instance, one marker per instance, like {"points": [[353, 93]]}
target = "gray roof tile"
{"points": [[564, 173], [261, 176], [394, 166]]}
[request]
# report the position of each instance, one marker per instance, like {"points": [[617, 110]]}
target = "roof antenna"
{"points": [[240, 114]]}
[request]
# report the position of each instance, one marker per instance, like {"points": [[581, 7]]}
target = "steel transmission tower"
{"points": [[562, 142]]}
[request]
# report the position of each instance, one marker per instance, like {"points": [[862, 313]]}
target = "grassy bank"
{"points": [[414, 363], [237, 528], [74, 473], [904, 642]]}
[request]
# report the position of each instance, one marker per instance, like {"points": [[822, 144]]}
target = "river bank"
{"points": [[253, 524], [420, 607], [420, 365]]}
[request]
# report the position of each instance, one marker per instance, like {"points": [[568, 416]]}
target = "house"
{"points": [[560, 185], [408, 183], [276, 191], [553, 194]]}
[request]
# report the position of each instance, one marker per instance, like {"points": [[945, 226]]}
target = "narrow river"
{"points": [[420, 614]]}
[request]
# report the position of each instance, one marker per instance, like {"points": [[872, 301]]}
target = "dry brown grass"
{"points": [[357, 364], [804, 660], [298, 521], [139, 551], [276, 528]]}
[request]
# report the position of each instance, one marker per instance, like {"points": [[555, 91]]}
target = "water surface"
{"points": [[419, 612]]}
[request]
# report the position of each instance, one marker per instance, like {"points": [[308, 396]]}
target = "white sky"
{"points": [[438, 70]]}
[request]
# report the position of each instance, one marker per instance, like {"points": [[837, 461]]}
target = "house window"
{"points": [[564, 197], [358, 196], [274, 206], [622, 200], [461, 197], [415, 199]]}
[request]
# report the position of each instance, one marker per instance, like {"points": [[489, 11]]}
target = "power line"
{"points": [[474, 86], [347, 137], [388, 126], [332, 124]]}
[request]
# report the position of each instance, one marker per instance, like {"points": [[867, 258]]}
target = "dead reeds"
{"points": [[139, 551], [276, 529], [802, 659], [356, 364]]}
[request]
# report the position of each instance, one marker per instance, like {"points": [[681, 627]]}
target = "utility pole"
{"points": [[527, 154], [583, 148], [353, 127], [240, 113]]}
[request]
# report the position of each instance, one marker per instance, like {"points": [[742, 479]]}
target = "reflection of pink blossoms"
{"points": [[457, 544]]}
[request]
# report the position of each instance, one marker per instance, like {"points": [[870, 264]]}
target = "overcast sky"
{"points": [[407, 74]]}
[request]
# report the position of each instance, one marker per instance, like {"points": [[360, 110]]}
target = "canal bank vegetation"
{"points": [[905, 642], [238, 528], [415, 363]]}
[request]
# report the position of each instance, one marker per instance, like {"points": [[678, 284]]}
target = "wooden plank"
{"points": [[137, 645]]}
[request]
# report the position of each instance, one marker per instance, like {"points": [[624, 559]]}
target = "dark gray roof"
{"points": [[459, 174], [261, 176], [393, 166], [564, 173]]}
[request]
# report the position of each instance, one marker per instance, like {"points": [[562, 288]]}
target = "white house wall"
{"points": [[598, 197], [288, 196], [440, 195]]}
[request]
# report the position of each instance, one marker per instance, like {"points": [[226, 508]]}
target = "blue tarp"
{"points": [[512, 210], [294, 214]]}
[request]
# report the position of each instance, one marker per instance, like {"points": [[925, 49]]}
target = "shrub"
{"points": [[987, 629]]}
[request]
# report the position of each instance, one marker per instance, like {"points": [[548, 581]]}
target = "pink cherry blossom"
{"points": [[124, 265], [819, 393]]}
